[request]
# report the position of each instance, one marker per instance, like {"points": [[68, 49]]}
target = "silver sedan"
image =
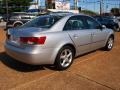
{"points": [[54, 39]]}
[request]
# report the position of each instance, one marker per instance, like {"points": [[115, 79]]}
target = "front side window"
{"points": [[91, 23]]}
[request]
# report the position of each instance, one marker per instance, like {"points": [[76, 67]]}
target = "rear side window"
{"points": [[74, 23], [25, 17], [15, 17]]}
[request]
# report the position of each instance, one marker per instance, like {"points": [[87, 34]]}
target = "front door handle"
{"points": [[93, 34], [75, 36]]}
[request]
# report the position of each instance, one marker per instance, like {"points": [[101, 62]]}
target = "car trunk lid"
{"points": [[14, 35]]}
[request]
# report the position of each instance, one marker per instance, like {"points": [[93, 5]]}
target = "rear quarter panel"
{"points": [[57, 40]]}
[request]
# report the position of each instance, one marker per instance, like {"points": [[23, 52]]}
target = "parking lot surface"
{"points": [[98, 70]]}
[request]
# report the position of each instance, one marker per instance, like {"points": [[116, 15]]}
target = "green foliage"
{"points": [[115, 11], [14, 5], [89, 12]]}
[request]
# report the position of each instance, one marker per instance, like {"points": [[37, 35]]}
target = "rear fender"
{"points": [[58, 48]]}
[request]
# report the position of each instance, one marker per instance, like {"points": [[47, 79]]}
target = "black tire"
{"points": [[64, 61], [117, 29], [109, 44], [114, 28], [17, 24]]}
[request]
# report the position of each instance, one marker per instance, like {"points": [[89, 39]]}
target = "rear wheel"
{"points": [[109, 44], [64, 58]]}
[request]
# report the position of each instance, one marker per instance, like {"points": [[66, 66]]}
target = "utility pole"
{"points": [[75, 4], [119, 7], [0, 3], [101, 7], [94, 6], [7, 10], [119, 4], [39, 7]]}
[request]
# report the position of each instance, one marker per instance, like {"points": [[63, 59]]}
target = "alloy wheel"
{"points": [[66, 57]]}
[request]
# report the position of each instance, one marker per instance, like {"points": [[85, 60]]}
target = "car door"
{"points": [[81, 37], [98, 34]]}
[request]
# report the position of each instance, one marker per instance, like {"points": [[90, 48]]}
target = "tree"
{"points": [[14, 5], [89, 12], [115, 11]]}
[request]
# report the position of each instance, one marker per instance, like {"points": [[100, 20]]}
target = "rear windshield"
{"points": [[43, 21]]}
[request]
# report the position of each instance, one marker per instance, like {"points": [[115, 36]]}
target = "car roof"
{"points": [[68, 15]]}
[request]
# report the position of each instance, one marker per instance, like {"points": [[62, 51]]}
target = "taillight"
{"points": [[33, 40]]}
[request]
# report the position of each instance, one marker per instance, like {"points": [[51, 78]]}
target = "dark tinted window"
{"points": [[43, 21], [91, 23], [108, 21], [15, 17], [25, 17]]}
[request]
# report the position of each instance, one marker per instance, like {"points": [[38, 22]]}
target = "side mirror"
{"points": [[103, 27]]}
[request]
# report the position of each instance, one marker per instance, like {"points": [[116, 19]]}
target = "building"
{"points": [[50, 4]]}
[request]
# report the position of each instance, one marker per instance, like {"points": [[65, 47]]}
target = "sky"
{"points": [[93, 5]]}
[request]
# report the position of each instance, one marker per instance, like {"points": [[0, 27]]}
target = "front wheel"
{"points": [[109, 44], [64, 58]]}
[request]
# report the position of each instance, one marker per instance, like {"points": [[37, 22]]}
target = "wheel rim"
{"points": [[66, 58], [110, 43]]}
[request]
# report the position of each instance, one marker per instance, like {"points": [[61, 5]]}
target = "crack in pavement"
{"points": [[82, 76], [33, 81], [22, 85]]}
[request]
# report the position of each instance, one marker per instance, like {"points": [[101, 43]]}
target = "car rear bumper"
{"points": [[29, 56]]}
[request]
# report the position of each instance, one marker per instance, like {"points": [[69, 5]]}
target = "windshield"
{"points": [[43, 21]]}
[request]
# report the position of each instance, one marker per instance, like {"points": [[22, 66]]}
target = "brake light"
{"points": [[33, 40]]}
